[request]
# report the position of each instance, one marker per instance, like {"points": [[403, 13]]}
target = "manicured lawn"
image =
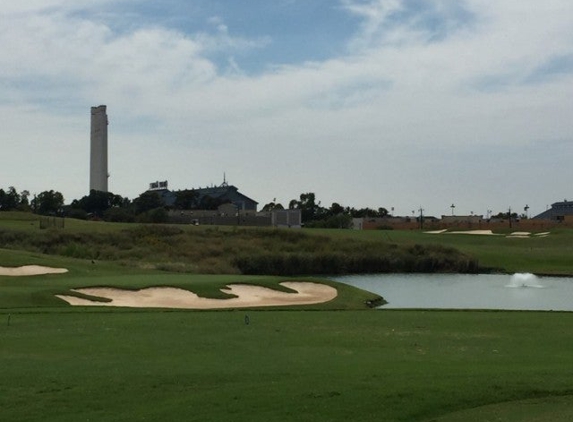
{"points": [[310, 366]]}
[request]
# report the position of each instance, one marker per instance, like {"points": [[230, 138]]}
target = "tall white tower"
{"points": [[98, 149]]}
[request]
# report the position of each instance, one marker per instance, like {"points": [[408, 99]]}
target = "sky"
{"points": [[402, 104]]}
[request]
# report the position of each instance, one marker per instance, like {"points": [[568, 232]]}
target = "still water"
{"points": [[464, 291]]}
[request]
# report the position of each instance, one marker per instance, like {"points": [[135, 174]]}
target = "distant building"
{"points": [[227, 194], [286, 218], [453, 220], [559, 211], [207, 198]]}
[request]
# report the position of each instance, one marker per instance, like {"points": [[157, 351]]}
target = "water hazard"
{"points": [[520, 291]]}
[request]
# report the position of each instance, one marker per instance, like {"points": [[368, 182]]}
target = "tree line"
{"points": [[313, 214], [149, 206]]}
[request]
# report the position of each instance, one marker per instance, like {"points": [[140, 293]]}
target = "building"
{"points": [[222, 205], [225, 194], [208, 198], [559, 211], [98, 149]]}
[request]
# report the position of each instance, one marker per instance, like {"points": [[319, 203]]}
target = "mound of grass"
{"points": [[217, 250]]}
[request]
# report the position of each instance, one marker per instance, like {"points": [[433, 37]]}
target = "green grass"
{"points": [[541, 255], [334, 362], [39, 291], [284, 365]]}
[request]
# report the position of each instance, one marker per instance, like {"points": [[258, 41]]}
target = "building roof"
{"points": [[224, 193], [557, 210]]}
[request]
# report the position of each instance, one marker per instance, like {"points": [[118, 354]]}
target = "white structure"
{"points": [[286, 218], [98, 149]]}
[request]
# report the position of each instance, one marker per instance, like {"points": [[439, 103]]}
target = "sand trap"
{"points": [[306, 293], [478, 232], [482, 232], [30, 270]]}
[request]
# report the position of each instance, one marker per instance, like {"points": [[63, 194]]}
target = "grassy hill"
{"points": [[230, 250]]}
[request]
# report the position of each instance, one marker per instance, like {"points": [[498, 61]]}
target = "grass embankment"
{"points": [[218, 250], [551, 255], [284, 365]]}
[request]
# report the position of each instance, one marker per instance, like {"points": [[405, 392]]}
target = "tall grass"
{"points": [[232, 251]]}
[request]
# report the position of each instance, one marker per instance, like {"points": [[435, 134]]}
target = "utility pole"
{"points": [[421, 217]]}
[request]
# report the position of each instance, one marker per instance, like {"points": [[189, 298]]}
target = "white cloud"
{"points": [[348, 119]]}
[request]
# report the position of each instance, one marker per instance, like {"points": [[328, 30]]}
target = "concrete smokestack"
{"points": [[98, 149]]}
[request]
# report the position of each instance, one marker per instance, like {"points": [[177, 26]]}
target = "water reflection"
{"points": [[520, 291]]}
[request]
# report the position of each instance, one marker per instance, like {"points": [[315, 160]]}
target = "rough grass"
{"points": [[550, 255], [234, 250]]}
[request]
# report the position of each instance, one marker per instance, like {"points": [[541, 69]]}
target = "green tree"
{"points": [[272, 206], [147, 201], [24, 204], [186, 199], [309, 209], [48, 203], [9, 200]]}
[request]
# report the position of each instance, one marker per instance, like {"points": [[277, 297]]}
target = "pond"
{"points": [[520, 291]]}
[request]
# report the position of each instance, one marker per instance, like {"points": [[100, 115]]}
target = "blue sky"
{"points": [[394, 103]]}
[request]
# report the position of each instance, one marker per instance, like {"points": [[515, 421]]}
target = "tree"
{"points": [[98, 202], [147, 201], [185, 199], [272, 206], [48, 203], [24, 202], [209, 203], [9, 200], [368, 212], [336, 208], [309, 209]]}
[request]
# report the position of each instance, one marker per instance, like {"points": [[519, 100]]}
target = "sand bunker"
{"points": [[480, 232], [30, 270], [519, 235], [306, 293], [516, 235]]}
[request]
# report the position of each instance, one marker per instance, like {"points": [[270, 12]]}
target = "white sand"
{"points": [[478, 232], [436, 231], [306, 293], [30, 270]]}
